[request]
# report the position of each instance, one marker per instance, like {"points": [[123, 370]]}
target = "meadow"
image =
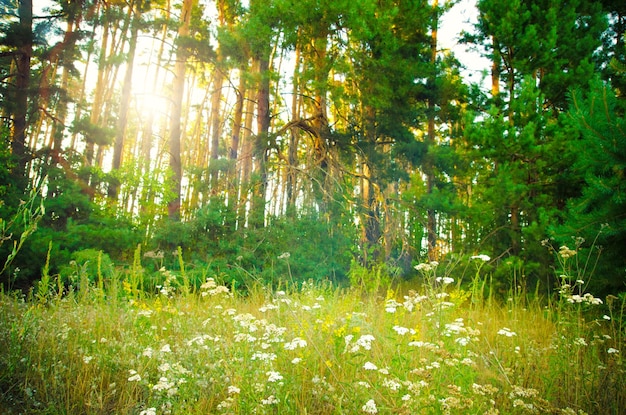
{"points": [[107, 346]]}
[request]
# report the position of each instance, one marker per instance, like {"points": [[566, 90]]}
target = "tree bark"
{"points": [[22, 84], [122, 122], [173, 206]]}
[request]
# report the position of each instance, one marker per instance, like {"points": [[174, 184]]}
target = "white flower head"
{"points": [[444, 280], [370, 407], [482, 257], [273, 376], [166, 349], [505, 331], [370, 366]]}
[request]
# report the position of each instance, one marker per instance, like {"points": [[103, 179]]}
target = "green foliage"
{"points": [[600, 159], [287, 251], [16, 230], [88, 265]]}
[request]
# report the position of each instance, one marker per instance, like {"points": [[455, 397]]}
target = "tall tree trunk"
{"points": [[245, 159], [371, 230], [122, 121], [294, 139], [22, 84], [431, 221], [216, 99], [178, 87], [233, 151], [257, 212]]}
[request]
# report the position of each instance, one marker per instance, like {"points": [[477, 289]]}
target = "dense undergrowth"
{"points": [[105, 345]]}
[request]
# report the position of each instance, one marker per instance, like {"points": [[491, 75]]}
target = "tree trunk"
{"points": [[22, 84], [233, 151], [431, 225], [124, 105], [173, 206], [257, 212]]}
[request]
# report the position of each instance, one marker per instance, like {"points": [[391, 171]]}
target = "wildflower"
{"points": [[164, 367], [402, 330], [87, 359], [505, 331], [295, 343], [134, 376], [163, 384], [296, 360], [284, 255], [427, 267], [370, 407], [612, 351], [606, 317], [273, 376], [565, 252], [147, 352], [463, 341], [365, 341], [264, 357], [369, 366], [445, 280], [481, 257], [406, 397], [233, 390], [392, 384], [391, 306], [166, 349], [271, 400], [149, 411], [208, 284]]}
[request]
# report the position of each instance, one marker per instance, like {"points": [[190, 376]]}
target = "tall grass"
{"points": [[109, 347]]}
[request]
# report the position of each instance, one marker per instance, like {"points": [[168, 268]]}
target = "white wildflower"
{"points": [[444, 280], [505, 331], [481, 257], [295, 343], [134, 376], [370, 366], [370, 407], [273, 376]]}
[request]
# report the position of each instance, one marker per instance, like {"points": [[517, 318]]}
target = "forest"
{"points": [[328, 139], [312, 207]]}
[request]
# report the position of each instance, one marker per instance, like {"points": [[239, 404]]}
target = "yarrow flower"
{"points": [[565, 252], [134, 376], [271, 400], [403, 330], [295, 343], [481, 257], [427, 267], [273, 376], [445, 280], [612, 351], [370, 366], [370, 407], [505, 331]]}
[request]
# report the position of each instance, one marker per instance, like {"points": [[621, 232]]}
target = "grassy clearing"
{"points": [[107, 347]]}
